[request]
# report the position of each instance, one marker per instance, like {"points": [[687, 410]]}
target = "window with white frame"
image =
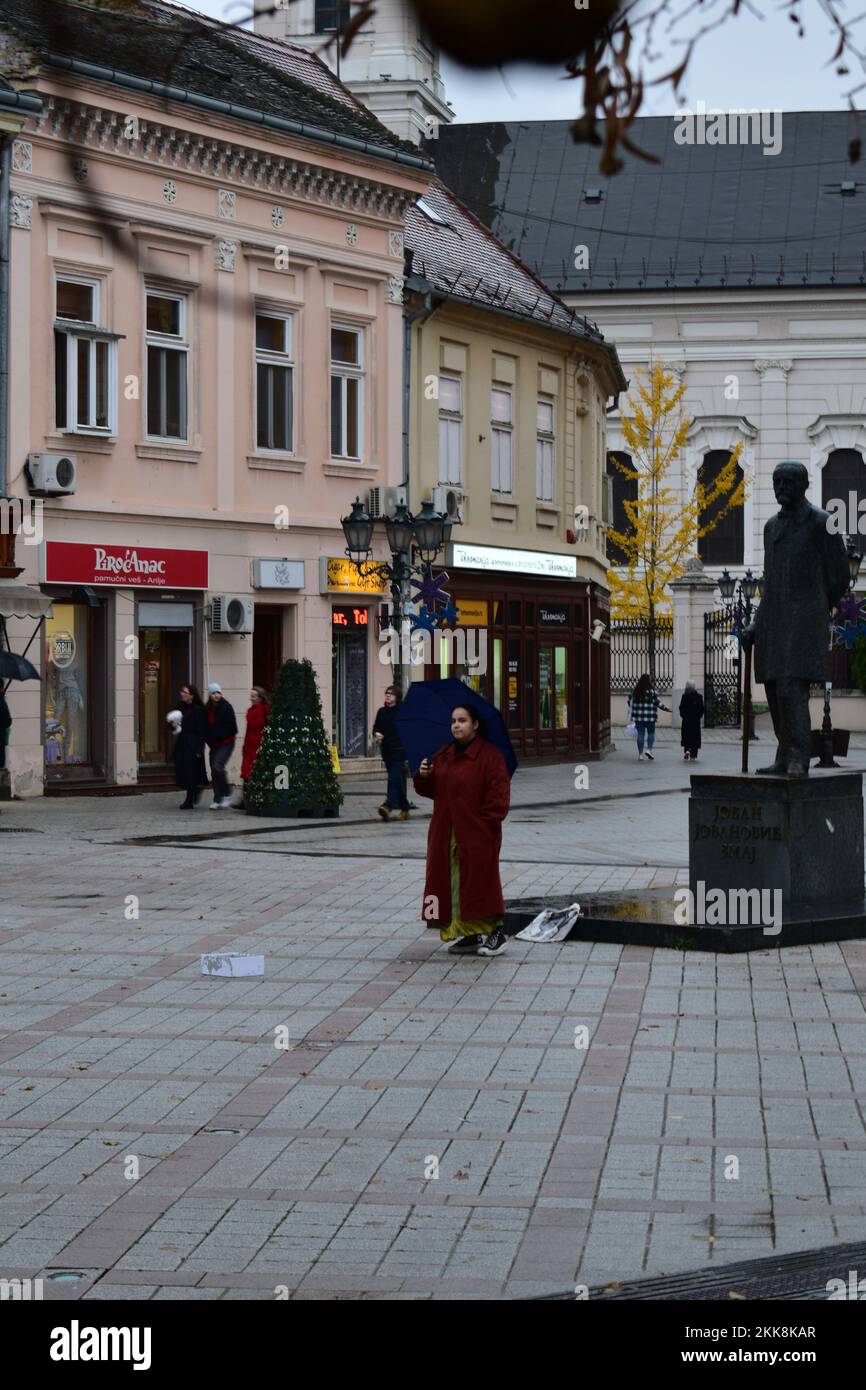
{"points": [[167, 365], [275, 381], [450, 429], [84, 359], [545, 449], [501, 438], [347, 391]]}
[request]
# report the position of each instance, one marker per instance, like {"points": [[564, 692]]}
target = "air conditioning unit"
{"points": [[54, 475], [451, 502], [229, 613], [383, 502]]}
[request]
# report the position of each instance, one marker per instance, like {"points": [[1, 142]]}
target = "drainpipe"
{"points": [[5, 172]]}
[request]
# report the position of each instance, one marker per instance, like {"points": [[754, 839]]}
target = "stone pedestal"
{"points": [[801, 836]]}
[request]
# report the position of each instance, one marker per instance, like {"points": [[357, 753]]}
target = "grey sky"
{"points": [[749, 62]]}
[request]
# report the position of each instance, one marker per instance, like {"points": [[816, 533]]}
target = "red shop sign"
{"points": [[126, 566]]}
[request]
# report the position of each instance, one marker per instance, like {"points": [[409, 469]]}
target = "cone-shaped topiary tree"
{"points": [[293, 774]]}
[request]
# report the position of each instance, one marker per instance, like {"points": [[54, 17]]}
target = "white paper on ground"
{"points": [[231, 963], [551, 924]]}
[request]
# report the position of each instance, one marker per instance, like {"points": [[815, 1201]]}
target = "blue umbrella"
{"points": [[424, 720]]}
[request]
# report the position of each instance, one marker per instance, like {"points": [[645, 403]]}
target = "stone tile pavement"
{"points": [[431, 1131]]}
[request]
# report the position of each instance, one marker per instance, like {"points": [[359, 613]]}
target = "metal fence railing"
{"points": [[629, 655]]}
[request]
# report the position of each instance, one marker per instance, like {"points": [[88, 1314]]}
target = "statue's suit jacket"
{"points": [[805, 575]]}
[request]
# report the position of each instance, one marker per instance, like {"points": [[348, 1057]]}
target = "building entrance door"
{"points": [[267, 645], [163, 667], [349, 681]]}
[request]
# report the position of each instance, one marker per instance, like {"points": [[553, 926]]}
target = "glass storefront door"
{"points": [[552, 687], [163, 667], [349, 682]]}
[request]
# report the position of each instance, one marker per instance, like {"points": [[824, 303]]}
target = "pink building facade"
{"points": [[206, 321]]}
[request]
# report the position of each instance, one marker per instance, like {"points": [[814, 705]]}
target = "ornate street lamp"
{"points": [[738, 596], [400, 529], [358, 530], [427, 532]]}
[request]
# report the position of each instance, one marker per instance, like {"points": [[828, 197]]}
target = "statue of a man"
{"points": [[805, 575]]}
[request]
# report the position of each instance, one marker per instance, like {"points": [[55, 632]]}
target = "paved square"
{"points": [[431, 1130]]}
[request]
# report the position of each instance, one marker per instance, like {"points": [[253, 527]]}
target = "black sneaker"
{"points": [[465, 946], [493, 944]]}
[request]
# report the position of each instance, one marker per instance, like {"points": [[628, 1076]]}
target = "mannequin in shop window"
{"points": [[67, 704]]}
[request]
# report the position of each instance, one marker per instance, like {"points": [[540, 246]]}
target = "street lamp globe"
{"points": [[726, 586], [399, 529], [358, 530], [749, 586], [429, 532]]}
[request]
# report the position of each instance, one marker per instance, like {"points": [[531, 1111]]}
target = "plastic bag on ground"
{"points": [[551, 924]]}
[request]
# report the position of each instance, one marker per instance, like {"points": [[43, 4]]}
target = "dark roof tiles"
{"points": [[715, 212]]}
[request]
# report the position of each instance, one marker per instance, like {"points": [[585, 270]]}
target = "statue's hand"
{"points": [[748, 637]]}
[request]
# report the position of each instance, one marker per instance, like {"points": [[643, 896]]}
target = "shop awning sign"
{"points": [[123, 566], [497, 560]]}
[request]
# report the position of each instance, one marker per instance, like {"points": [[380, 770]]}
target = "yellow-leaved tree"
{"points": [[663, 529]]}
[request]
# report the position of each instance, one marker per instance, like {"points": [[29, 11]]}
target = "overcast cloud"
{"points": [[749, 62]]}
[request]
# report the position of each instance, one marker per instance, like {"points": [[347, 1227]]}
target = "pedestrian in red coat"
{"points": [[470, 789], [257, 718]]}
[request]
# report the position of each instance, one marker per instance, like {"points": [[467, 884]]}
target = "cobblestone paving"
{"points": [[717, 1113]]}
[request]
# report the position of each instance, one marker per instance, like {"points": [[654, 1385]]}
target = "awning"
{"points": [[19, 601]]}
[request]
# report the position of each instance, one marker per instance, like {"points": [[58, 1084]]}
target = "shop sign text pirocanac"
{"points": [[124, 566]]}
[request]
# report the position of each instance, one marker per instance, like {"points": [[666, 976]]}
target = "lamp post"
{"points": [[827, 738], [738, 597], [427, 532]]}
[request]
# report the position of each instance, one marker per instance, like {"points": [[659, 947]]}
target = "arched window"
{"points": [[844, 473], [723, 545], [622, 490]]}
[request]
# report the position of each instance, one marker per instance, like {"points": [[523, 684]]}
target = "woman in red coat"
{"points": [[468, 783], [257, 718]]}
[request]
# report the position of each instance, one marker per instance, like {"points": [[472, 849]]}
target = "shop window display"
{"points": [[66, 686]]}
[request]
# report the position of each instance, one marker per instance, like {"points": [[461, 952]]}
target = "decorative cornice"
{"points": [[831, 432], [20, 211], [171, 148], [226, 252], [22, 157], [715, 423], [773, 364]]}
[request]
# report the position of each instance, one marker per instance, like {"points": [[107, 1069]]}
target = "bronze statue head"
{"points": [[790, 481]]}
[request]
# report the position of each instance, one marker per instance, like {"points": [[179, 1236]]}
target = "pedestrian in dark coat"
{"points": [[222, 729], [188, 751], [257, 718], [470, 789], [5, 728], [691, 713], [386, 733]]}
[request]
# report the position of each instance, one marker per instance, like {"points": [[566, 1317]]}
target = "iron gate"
{"points": [[722, 700]]}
